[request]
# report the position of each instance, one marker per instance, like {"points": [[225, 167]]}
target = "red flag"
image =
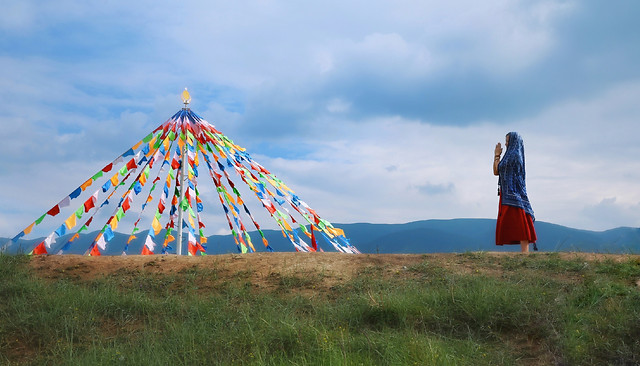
{"points": [[95, 252], [131, 164], [175, 164], [146, 251], [107, 168], [192, 249], [313, 239], [200, 248], [54, 210], [40, 249], [271, 208], [125, 205], [89, 204]]}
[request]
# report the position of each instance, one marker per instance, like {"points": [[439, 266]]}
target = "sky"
{"points": [[372, 111]]}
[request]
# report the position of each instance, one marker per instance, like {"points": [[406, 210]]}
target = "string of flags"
{"points": [[150, 173]]}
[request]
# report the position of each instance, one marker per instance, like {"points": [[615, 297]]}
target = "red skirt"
{"points": [[514, 225]]}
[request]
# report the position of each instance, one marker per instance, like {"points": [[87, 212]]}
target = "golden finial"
{"points": [[186, 97]]}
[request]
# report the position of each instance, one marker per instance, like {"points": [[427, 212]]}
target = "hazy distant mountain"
{"points": [[428, 236]]}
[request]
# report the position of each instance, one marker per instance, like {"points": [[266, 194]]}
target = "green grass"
{"points": [[540, 309]]}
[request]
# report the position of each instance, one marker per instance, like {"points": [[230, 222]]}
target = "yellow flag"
{"points": [[71, 221], [156, 225]]}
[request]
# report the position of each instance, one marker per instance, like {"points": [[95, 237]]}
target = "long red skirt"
{"points": [[514, 225]]}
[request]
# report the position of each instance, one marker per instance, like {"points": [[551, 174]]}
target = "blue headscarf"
{"points": [[512, 175]]}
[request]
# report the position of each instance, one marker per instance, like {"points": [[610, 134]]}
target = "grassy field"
{"points": [[456, 309]]}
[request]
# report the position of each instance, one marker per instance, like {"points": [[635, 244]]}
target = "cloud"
{"points": [[376, 112], [478, 66], [608, 213]]}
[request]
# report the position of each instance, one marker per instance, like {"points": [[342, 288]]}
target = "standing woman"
{"points": [[515, 215]]}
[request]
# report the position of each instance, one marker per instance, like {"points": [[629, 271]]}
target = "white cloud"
{"points": [[375, 112]]}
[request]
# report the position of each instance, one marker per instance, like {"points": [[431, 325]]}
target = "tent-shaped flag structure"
{"points": [[161, 174]]}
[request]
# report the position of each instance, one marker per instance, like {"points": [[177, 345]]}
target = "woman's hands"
{"points": [[496, 159]]}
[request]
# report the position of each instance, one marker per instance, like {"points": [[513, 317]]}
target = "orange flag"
{"points": [[28, 229], [86, 184]]}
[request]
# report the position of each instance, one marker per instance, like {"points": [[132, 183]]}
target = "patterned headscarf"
{"points": [[512, 175]]}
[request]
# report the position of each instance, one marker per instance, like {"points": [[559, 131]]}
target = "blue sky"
{"points": [[382, 112]]}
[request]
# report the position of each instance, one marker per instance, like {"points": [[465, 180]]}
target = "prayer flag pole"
{"points": [[196, 138], [186, 99]]}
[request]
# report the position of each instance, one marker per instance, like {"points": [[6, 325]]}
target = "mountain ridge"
{"points": [[423, 236]]}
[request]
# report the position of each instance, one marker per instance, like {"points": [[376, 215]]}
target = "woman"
{"points": [[515, 215]]}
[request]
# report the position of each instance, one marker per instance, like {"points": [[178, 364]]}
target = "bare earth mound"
{"points": [[264, 269]]}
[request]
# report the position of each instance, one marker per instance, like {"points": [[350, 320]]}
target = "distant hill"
{"points": [[427, 236]]}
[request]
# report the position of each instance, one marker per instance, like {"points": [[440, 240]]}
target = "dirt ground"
{"points": [[264, 270]]}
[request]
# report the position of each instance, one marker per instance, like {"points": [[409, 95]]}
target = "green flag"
{"points": [[39, 220]]}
